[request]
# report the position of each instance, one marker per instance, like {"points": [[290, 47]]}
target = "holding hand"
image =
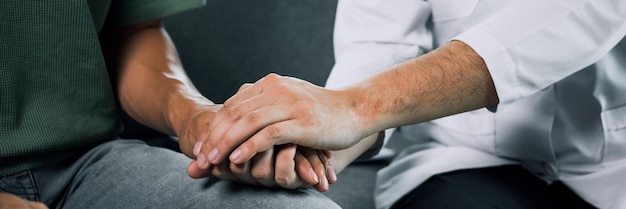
{"points": [[195, 127], [279, 110], [286, 166]]}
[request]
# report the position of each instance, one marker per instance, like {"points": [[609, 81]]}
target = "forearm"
{"points": [[449, 80], [151, 84]]}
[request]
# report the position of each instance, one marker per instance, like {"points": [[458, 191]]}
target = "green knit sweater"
{"points": [[56, 99]]}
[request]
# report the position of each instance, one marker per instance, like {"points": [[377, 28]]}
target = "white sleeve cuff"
{"points": [[499, 63]]}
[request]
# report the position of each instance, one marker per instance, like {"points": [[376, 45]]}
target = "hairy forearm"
{"points": [[449, 80], [151, 84]]}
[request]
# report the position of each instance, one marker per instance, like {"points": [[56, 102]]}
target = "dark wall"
{"points": [[230, 42]]}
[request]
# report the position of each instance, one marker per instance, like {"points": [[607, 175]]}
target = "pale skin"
{"points": [[279, 110]]}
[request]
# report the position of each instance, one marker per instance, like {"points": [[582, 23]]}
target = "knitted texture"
{"points": [[56, 99]]}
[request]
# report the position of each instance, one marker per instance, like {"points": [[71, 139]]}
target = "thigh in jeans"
{"points": [[131, 174]]}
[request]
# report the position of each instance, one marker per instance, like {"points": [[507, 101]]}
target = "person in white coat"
{"points": [[499, 103]]}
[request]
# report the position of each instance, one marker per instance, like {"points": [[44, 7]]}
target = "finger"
{"points": [[243, 87], [330, 172], [243, 129], [201, 160], [252, 114], [37, 205], [234, 103], [274, 134], [247, 91], [244, 92], [225, 117], [196, 148], [223, 171], [242, 172], [196, 172], [285, 175], [318, 167], [263, 168], [302, 173], [305, 170], [243, 115]]}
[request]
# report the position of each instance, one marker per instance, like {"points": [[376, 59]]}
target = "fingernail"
{"points": [[315, 178], [332, 176], [235, 156], [212, 155], [196, 148], [324, 183], [201, 162]]}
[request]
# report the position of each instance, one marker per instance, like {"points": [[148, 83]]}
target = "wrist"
{"points": [[181, 108], [342, 158], [367, 107]]}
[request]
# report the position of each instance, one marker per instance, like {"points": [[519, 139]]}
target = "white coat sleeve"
{"points": [[533, 44], [373, 35]]}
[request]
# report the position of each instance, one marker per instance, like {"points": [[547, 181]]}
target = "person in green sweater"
{"points": [[67, 71]]}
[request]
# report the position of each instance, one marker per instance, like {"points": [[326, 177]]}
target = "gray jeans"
{"points": [[131, 174]]}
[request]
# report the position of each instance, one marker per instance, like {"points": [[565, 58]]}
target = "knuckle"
{"points": [[228, 103], [283, 181], [261, 173], [299, 162], [249, 146], [254, 118], [244, 86], [272, 76], [284, 158], [231, 112], [269, 78], [284, 90], [274, 132]]}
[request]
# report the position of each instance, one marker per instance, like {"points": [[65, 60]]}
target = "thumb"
{"points": [[196, 172]]}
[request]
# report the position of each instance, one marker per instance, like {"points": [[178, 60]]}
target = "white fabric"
{"points": [[559, 67]]}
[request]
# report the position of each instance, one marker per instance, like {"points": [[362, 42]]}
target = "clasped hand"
{"points": [[275, 113], [279, 127], [287, 166]]}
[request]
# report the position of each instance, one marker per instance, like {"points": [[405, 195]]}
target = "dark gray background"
{"points": [[230, 42]]}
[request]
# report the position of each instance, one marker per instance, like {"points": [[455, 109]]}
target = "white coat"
{"points": [[559, 67]]}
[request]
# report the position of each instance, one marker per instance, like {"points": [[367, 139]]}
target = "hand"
{"points": [[10, 201], [196, 127], [279, 110], [286, 166]]}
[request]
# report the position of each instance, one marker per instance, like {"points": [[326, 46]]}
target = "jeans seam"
{"points": [[32, 181]]}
